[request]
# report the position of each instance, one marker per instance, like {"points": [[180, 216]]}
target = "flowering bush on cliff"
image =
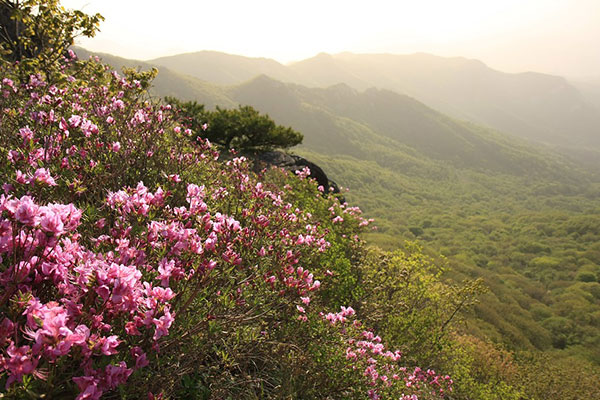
{"points": [[131, 253]]}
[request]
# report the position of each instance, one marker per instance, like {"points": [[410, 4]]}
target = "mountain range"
{"points": [[530, 105], [351, 118]]}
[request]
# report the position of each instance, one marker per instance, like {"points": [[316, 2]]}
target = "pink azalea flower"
{"points": [[162, 325], [51, 222], [26, 133], [26, 211], [88, 386], [109, 345], [75, 121], [42, 175], [165, 269], [19, 362]]}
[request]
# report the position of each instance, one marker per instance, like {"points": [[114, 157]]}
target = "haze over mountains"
{"points": [[168, 83], [339, 109], [591, 89], [530, 105], [394, 130]]}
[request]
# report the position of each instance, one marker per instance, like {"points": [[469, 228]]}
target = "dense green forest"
{"points": [[536, 245]]}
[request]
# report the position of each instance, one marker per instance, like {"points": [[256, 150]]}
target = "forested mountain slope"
{"points": [[388, 116]]}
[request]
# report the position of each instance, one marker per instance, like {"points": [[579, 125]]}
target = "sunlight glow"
{"points": [[555, 36]]}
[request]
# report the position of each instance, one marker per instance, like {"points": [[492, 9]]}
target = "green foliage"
{"points": [[243, 129], [544, 376], [406, 300], [38, 33], [529, 248], [586, 276], [416, 230], [482, 371]]}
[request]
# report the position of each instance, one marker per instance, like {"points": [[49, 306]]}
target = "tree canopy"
{"points": [[38, 33], [244, 128]]}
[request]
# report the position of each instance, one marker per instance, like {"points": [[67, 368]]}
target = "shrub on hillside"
{"points": [[131, 254]]}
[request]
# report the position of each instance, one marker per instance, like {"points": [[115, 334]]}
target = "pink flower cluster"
{"points": [[343, 208], [62, 296], [341, 316], [379, 366]]}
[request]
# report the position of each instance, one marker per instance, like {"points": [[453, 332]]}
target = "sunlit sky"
{"points": [[552, 36]]}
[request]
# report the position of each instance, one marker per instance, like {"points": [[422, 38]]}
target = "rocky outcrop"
{"points": [[295, 163]]}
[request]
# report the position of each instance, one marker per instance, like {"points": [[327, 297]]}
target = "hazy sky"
{"points": [[553, 36]]}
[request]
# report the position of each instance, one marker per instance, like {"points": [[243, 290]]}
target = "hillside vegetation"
{"points": [[137, 262], [496, 207]]}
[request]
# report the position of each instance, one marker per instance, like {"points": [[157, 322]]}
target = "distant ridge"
{"points": [[389, 128], [335, 109], [225, 69], [169, 82], [533, 106]]}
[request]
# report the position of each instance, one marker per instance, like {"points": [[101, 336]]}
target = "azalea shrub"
{"points": [[136, 261]]}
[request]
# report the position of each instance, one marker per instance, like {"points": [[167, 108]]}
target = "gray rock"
{"points": [[295, 163]]}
